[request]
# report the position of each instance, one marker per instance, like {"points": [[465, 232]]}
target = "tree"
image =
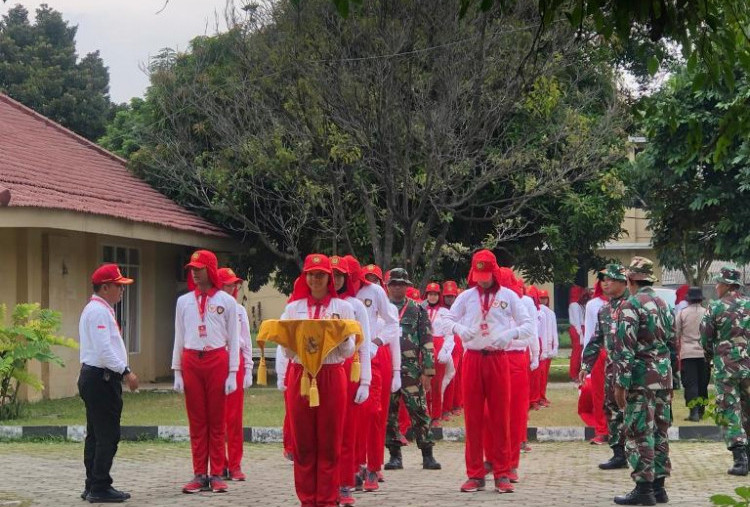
{"points": [[396, 134], [695, 200], [39, 67], [30, 335]]}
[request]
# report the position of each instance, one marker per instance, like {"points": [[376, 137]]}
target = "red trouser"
{"points": [[453, 395], [376, 436], [597, 394], [545, 366], [575, 354], [535, 383], [370, 412], [233, 417], [317, 435], [486, 384], [287, 429], [435, 396], [518, 365], [205, 374], [347, 461]]}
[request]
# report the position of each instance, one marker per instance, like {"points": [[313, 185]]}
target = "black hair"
{"points": [[643, 283], [97, 286]]}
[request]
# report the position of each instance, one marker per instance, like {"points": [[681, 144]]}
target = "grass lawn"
{"points": [[264, 407]]}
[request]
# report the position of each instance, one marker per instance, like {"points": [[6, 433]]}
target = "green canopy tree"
{"points": [[40, 68]]}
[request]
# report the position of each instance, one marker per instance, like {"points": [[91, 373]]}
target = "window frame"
{"points": [[125, 268]]}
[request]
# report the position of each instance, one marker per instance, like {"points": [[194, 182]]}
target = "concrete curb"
{"points": [[274, 435]]}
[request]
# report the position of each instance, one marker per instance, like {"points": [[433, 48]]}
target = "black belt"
{"points": [[106, 373]]}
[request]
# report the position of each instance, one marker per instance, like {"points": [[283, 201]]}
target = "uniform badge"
{"points": [[311, 346], [496, 304], [212, 308], [503, 305], [480, 265], [196, 256], [368, 303], [316, 260], [219, 310]]}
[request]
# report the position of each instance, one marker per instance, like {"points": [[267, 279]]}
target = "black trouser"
{"points": [[695, 375], [101, 391]]}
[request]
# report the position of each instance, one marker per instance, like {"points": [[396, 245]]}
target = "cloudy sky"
{"points": [[127, 32]]}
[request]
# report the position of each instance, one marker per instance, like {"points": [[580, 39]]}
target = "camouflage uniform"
{"points": [[725, 337], [604, 336], [417, 359], [643, 366]]}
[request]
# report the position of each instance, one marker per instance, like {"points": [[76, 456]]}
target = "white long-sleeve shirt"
{"points": [[361, 316], [390, 335], [101, 343], [282, 363], [221, 327], [376, 302], [297, 310], [436, 315], [553, 339], [506, 312], [531, 343], [592, 312], [575, 315], [246, 345]]}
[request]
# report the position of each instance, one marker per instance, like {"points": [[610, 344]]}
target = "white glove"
{"points": [[248, 380], [501, 339], [443, 356], [363, 392], [396, 382], [179, 384], [230, 385], [534, 364], [464, 332], [280, 384]]}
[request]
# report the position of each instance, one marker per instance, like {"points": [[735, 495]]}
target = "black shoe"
{"points": [[617, 460], [695, 414], [642, 494], [396, 462], [84, 494], [740, 467], [110, 495], [660, 494], [428, 461]]}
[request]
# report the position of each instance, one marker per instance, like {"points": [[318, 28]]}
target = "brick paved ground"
{"points": [[553, 474]]}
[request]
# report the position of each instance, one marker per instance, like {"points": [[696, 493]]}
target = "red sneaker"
{"points": [[236, 475], [371, 481], [472, 485], [446, 416], [545, 403], [525, 447], [345, 496], [513, 475], [503, 485], [534, 406], [217, 484], [380, 476], [289, 456], [599, 440], [198, 484], [435, 423]]}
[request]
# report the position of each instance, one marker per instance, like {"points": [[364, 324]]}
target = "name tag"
{"points": [[202, 332], [485, 328]]}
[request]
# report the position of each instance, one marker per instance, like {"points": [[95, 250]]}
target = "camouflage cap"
{"points": [[398, 275], [641, 268], [729, 276], [615, 271]]}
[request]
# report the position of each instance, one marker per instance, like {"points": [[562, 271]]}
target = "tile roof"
{"points": [[45, 165]]}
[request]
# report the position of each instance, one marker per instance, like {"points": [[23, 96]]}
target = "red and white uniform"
{"points": [[576, 317], [487, 316], [443, 353], [282, 381], [535, 351], [317, 431], [235, 401], [206, 350], [597, 373], [551, 342]]}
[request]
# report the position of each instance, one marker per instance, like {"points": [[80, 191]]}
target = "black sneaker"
{"points": [[84, 494], [110, 495]]}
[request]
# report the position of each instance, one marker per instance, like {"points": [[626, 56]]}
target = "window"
{"points": [[128, 311]]}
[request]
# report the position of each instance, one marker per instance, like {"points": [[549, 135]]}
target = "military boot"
{"points": [[659, 492], [642, 494], [739, 452], [695, 414], [396, 462], [428, 461], [617, 460]]}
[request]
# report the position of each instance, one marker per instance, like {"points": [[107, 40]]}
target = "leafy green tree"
{"points": [[30, 335], [695, 198], [39, 67]]}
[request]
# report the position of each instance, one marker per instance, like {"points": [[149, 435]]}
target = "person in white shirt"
{"points": [[452, 397], [358, 392], [577, 300], [552, 340], [104, 365], [317, 431], [235, 401], [385, 338], [532, 307], [488, 317], [597, 373], [205, 360], [443, 350]]}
